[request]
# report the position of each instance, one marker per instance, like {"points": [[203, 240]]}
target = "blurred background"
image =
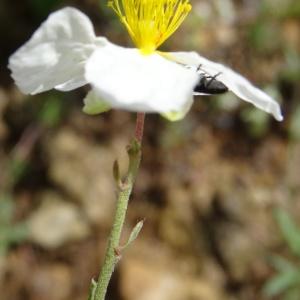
{"points": [[220, 190]]}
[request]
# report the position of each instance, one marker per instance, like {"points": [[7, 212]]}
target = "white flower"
{"points": [[64, 53]]}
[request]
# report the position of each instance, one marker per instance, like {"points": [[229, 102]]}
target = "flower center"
{"points": [[150, 22]]}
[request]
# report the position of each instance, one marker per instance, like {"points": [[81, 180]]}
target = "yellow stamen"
{"points": [[150, 22]]}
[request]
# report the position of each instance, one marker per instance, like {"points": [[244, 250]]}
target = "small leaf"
{"points": [[292, 294], [116, 171], [281, 283], [6, 209], [281, 264], [134, 234], [294, 128], [17, 169], [93, 287], [289, 229], [51, 112], [257, 121], [18, 233]]}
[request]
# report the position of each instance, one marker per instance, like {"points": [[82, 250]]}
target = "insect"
{"points": [[208, 84]]}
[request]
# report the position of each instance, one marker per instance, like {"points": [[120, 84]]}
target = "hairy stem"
{"points": [[139, 127], [113, 255]]}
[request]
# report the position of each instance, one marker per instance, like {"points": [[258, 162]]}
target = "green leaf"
{"points": [[281, 282], [116, 172], [6, 209], [292, 294], [18, 233], [17, 169], [134, 234], [281, 264], [289, 229], [93, 287], [257, 121], [51, 111], [294, 128]]}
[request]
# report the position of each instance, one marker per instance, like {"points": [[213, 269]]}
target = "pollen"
{"points": [[150, 22]]}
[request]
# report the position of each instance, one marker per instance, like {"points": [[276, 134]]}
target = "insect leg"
{"points": [[212, 78]]}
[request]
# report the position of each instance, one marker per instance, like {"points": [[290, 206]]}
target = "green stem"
{"points": [[113, 254]]}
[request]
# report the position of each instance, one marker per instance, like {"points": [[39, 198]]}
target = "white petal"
{"points": [[94, 105], [73, 83], [55, 55], [235, 82], [129, 80]]}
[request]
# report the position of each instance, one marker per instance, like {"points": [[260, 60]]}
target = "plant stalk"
{"points": [[113, 251]]}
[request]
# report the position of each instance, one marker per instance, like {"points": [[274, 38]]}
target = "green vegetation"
{"points": [[286, 282]]}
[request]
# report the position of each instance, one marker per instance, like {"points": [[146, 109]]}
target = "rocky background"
{"points": [[220, 190]]}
